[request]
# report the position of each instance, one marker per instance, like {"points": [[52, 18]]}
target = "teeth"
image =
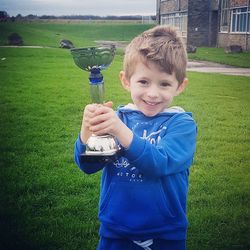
{"points": [[151, 103]]}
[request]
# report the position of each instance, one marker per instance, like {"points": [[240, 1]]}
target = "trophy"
{"points": [[94, 60]]}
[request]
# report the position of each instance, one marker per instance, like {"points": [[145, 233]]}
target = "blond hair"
{"points": [[160, 45]]}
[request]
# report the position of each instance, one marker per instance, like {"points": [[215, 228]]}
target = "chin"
{"points": [[150, 114]]}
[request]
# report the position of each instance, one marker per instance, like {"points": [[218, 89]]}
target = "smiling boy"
{"points": [[144, 192]]}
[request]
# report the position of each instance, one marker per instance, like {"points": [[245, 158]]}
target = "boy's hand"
{"points": [[88, 114], [105, 121]]}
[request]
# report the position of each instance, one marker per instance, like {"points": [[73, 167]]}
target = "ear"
{"points": [[181, 87], [125, 83]]}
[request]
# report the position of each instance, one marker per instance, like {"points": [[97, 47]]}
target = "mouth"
{"points": [[151, 103]]}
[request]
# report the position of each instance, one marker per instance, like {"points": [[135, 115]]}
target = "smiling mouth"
{"points": [[151, 103]]}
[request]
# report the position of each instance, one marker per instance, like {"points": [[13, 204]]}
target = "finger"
{"points": [[102, 110], [108, 104], [102, 128], [89, 115], [100, 118], [89, 111], [92, 107]]}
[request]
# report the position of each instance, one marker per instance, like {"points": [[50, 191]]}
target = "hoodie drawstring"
{"points": [[144, 244]]}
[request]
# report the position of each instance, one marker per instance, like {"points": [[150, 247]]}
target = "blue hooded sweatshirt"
{"points": [[144, 192]]}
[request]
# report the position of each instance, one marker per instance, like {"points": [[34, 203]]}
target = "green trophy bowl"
{"points": [[93, 57], [93, 60]]}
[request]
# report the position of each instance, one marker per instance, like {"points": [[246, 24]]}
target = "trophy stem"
{"points": [[96, 85]]}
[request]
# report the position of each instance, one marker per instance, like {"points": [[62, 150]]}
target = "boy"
{"points": [[143, 193]]}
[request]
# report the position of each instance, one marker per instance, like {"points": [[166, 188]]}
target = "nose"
{"points": [[153, 92]]}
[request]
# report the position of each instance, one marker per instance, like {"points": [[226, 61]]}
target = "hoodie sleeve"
{"points": [[173, 154], [88, 168]]}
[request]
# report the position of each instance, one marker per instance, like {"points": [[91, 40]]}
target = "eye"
{"points": [[143, 82], [165, 84]]}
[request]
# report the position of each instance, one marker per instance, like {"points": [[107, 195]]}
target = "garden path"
{"points": [[210, 67]]}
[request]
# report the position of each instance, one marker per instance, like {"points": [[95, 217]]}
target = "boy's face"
{"points": [[152, 90]]}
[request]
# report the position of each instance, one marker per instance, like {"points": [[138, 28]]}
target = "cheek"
{"points": [[169, 95], [134, 98], [135, 93]]}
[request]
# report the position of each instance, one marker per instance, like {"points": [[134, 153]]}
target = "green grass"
{"points": [[218, 205], [84, 34], [218, 55], [46, 202], [50, 34]]}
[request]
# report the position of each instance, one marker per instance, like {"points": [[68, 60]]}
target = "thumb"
{"points": [[108, 104]]}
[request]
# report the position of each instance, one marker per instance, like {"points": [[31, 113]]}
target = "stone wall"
{"points": [[171, 6], [198, 25], [183, 5], [215, 4], [200, 19], [238, 3], [203, 22], [226, 39]]}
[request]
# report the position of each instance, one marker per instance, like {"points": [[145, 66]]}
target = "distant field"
{"points": [[46, 202], [80, 21], [81, 34], [85, 33]]}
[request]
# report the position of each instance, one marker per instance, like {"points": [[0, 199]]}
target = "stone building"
{"points": [[208, 22]]}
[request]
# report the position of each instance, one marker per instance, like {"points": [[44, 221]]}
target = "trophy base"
{"points": [[101, 157], [101, 149], [104, 153]]}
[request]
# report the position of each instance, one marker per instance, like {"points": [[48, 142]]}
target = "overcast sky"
{"points": [[79, 7]]}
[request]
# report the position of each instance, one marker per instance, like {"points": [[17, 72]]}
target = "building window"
{"points": [[225, 14], [240, 20], [177, 20]]}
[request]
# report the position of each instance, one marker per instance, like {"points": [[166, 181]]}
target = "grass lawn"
{"points": [[85, 34], [46, 202], [218, 55], [81, 34]]}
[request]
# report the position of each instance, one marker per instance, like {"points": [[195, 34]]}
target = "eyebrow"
{"points": [[167, 81]]}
